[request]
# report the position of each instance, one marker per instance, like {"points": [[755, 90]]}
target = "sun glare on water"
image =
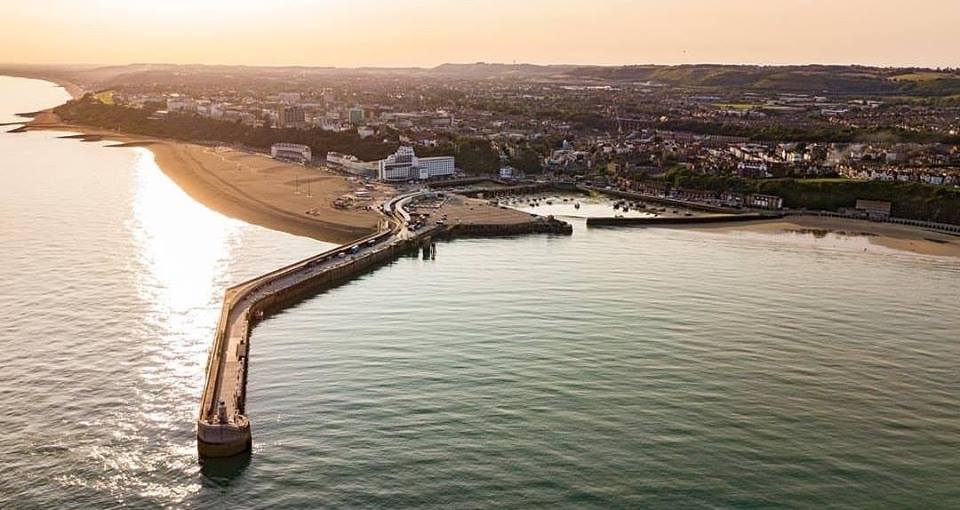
{"points": [[185, 249]]}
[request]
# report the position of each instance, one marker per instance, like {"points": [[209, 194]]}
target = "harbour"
{"points": [[611, 367], [223, 428]]}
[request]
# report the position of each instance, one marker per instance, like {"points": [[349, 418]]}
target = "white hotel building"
{"points": [[404, 165]]}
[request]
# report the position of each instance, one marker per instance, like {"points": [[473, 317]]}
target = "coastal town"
{"points": [[570, 125], [434, 254], [806, 146]]}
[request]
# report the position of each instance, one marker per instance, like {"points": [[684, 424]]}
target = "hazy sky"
{"points": [[430, 32]]}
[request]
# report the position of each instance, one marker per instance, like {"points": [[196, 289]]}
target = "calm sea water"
{"points": [[611, 369]]}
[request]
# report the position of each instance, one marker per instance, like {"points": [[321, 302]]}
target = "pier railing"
{"points": [[221, 433]]}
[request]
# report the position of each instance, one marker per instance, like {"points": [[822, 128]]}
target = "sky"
{"points": [[425, 33]]}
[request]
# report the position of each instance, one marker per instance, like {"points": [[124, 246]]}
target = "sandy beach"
{"points": [[886, 235], [253, 187], [300, 200]]}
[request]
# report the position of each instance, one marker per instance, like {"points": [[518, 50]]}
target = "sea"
{"points": [[614, 368]]}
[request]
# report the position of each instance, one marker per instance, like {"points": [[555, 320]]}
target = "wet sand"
{"points": [[886, 235], [251, 187]]}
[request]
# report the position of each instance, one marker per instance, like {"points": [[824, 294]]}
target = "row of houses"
{"points": [[922, 175]]}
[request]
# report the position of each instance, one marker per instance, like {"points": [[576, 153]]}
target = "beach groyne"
{"points": [[223, 427]]}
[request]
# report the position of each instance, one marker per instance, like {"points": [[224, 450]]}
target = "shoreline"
{"points": [[249, 187], [75, 90], [189, 166], [204, 173], [270, 194]]}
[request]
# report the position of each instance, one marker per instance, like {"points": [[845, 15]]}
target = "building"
{"points": [[440, 166], [289, 97], [365, 132], [770, 202], [404, 165], [398, 166], [357, 115], [442, 121], [291, 152], [874, 209], [350, 164], [291, 117], [181, 104], [508, 172], [755, 169]]}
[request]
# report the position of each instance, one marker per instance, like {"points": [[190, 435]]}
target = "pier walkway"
{"points": [[223, 428]]}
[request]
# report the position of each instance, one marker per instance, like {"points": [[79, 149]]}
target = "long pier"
{"points": [[223, 427]]}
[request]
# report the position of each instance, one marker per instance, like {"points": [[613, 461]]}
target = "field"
{"points": [[922, 76], [105, 97]]}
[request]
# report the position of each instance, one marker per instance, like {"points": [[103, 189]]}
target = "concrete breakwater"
{"points": [[223, 427], [685, 220], [545, 226]]}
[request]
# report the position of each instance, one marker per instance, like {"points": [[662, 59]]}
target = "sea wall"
{"points": [[542, 226], [684, 220], [522, 189], [257, 299], [696, 206]]}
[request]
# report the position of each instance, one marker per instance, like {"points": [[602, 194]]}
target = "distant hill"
{"points": [[801, 79], [810, 79], [483, 70]]}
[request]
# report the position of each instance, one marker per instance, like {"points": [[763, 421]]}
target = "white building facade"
{"points": [[291, 151], [404, 165], [351, 164], [181, 104]]}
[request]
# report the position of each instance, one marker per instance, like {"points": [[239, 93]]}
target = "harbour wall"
{"points": [[696, 206], [685, 220], [223, 427], [545, 226]]}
